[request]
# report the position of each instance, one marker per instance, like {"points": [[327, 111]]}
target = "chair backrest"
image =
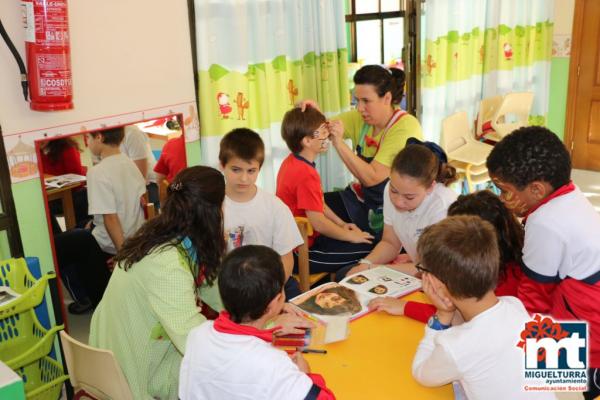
{"points": [[94, 370], [487, 110], [513, 113], [455, 131], [306, 230]]}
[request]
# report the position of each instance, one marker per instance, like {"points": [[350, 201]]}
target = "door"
{"points": [[583, 105]]}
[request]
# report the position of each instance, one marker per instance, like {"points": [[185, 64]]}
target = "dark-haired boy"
{"points": [[252, 215], [114, 186], [335, 243], [459, 277], [561, 253], [233, 357]]}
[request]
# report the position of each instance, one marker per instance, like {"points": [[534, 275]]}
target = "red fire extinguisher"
{"points": [[48, 54]]}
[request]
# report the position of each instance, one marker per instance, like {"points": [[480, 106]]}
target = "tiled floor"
{"points": [[589, 183]]}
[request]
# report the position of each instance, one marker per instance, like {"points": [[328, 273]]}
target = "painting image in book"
{"points": [[351, 296]]}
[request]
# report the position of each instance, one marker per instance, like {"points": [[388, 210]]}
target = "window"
{"points": [[385, 32], [10, 239], [376, 31]]}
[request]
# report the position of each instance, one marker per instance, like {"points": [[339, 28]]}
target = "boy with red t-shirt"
{"points": [[335, 243], [561, 253]]}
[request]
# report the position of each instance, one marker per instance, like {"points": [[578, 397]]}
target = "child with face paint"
{"points": [[335, 244], [561, 251], [415, 197]]}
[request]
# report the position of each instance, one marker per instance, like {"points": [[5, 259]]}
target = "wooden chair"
{"points": [[162, 190], [94, 372], [464, 153], [149, 208], [304, 276]]}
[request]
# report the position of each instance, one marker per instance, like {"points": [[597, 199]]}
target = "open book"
{"points": [[350, 297], [63, 180]]}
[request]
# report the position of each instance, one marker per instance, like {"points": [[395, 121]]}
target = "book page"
{"points": [[332, 300], [63, 180], [382, 281]]}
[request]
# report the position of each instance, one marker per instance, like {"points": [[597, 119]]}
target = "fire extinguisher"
{"points": [[48, 55]]}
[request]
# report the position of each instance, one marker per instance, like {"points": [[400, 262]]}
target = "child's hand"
{"points": [[388, 304], [300, 362], [350, 227], [291, 324], [358, 236], [358, 268], [290, 309], [432, 290]]}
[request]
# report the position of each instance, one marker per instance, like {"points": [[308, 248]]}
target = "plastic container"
{"points": [[15, 274], [43, 379], [23, 339]]}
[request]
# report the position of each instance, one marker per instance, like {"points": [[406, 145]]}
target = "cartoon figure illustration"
{"points": [[241, 104], [292, 91], [508, 51], [430, 64], [22, 160], [224, 106], [235, 238]]}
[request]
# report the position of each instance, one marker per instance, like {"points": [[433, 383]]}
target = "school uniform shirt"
{"points": [[561, 257], [299, 187], [264, 220], [220, 365], [69, 162], [172, 158], [481, 354], [136, 146], [408, 225], [115, 186]]}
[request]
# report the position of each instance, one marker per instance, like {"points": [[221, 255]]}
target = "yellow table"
{"points": [[375, 361]]}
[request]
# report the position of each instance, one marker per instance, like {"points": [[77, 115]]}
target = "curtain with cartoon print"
{"points": [[256, 59], [474, 49]]}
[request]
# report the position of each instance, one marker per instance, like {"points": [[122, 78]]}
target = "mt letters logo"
{"points": [[555, 355]]}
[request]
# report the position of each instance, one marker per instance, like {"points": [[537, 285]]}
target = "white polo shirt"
{"points": [[562, 238], [226, 366], [264, 220], [408, 225]]}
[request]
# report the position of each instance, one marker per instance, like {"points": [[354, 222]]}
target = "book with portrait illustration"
{"points": [[350, 297], [59, 181]]}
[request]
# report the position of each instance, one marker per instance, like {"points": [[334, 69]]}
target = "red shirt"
{"points": [[299, 187], [508, 286], [172, 158], [69, 162]]}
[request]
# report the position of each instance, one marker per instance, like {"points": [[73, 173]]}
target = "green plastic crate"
{"points": [[23, 339], [15, 274], [43, 379]]}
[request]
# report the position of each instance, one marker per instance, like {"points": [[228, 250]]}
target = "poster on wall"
{"points": [[20, 146]]}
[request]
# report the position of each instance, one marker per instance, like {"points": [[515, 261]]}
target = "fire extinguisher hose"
{"points": [[13, 50]]}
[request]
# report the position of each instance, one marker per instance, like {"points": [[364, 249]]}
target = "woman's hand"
{"points": [[290, 324], [308, 103], [336, 130], [388, 304], [300, 362]]}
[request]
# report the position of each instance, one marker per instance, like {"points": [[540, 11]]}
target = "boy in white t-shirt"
{"points": [[251, 215], [136, 146], [115, 187], [233, 356], [459, 261]]}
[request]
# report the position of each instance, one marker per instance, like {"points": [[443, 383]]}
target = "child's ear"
{"points": [[306, 141], [539, 190], [274, 307]]}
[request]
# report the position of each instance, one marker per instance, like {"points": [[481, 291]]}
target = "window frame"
{"points": [[8, 216]]}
